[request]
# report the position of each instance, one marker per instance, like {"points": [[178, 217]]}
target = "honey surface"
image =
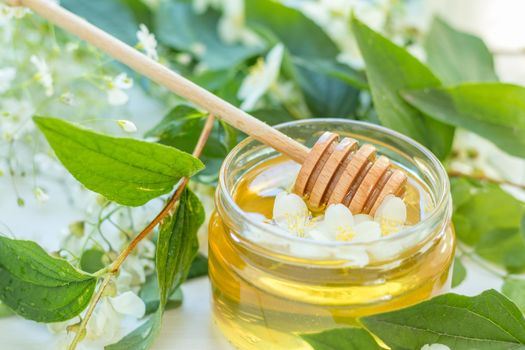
{"points": [[261, 302]]}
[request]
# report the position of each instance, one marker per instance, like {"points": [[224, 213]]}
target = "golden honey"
{"points": [[265, 295]]}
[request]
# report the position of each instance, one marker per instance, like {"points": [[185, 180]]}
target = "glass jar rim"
{"points": [[442, 199]]}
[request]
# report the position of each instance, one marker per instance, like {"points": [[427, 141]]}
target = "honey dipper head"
{"points": [[342, 172]]}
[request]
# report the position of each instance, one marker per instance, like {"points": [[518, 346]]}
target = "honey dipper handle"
{"points": [[166, 77]]}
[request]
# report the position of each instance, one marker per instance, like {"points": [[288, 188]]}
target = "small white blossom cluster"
{"points": [[116, 89], [232, 24], [262, 77], [43, 74], [147, 42], [104, 326], [11, 12], [384, 15], [338, 223]]}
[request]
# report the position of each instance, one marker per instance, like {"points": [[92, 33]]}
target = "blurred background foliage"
{"points": [[280, 61]]}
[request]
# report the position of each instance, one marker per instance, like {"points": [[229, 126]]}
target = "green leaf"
{"points": [[301, 36], [342, 339], [5, 311], [179, 27], [181, 128], [140, 11], [459, 274], [127, 171], [149, 293], [504, 247], [461, 189], [199, 267], [177, 245], [493, 110], [457, 57], [523, 226], [176, 248], [91, 260], [272, 116], [390, 69], [325, 95], [143, 337], [343, 72], [40, 287], [112, 16], [488, 208], [488, 321], [514, 289]]}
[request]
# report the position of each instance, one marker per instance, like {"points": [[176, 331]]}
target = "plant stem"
{"points": [[452, 173], [171, 203], [80, 332], [114, 267]]}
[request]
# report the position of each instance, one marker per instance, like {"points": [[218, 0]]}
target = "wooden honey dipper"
{"points": [[331, 172]]}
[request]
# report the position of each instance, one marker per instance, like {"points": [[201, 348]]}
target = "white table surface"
{"points": [[191, 325]]}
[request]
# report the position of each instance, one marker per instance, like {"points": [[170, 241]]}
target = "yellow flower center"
{"points": [[389, 226], [344, 233]]}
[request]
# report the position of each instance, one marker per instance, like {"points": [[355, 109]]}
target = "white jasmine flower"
{"points": [[391, 215], [200, 6], [183, 58], [128, 304], [104, 322], [7, 75], [291, 213], [147, 42], [262, 76], [9, 12], [116, 87], [232, 25], [339, 224], [20, 12], [198, 49], [72, 46], [127, 125], [40, 195], [472, 154], [435, 346], [137, 266], [105, 325], [15, 118], [43, 75]]}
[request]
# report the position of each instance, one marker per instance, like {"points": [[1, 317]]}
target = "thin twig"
{"points": [[171, 203], [114, 267], [485, 178], [93, 303]]}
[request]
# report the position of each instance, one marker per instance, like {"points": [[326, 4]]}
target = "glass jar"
{"points": [[269, 287]]}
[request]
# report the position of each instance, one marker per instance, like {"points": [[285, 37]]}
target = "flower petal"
{"points": [[127, 125], [128, 303], [117, 97], [290, 212], [262, 75], [392, 209], [435, 346], [338, 215], [367, 231], [359, 218], [122, 81], [355, 256], [104, 323], [288, 204]]}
